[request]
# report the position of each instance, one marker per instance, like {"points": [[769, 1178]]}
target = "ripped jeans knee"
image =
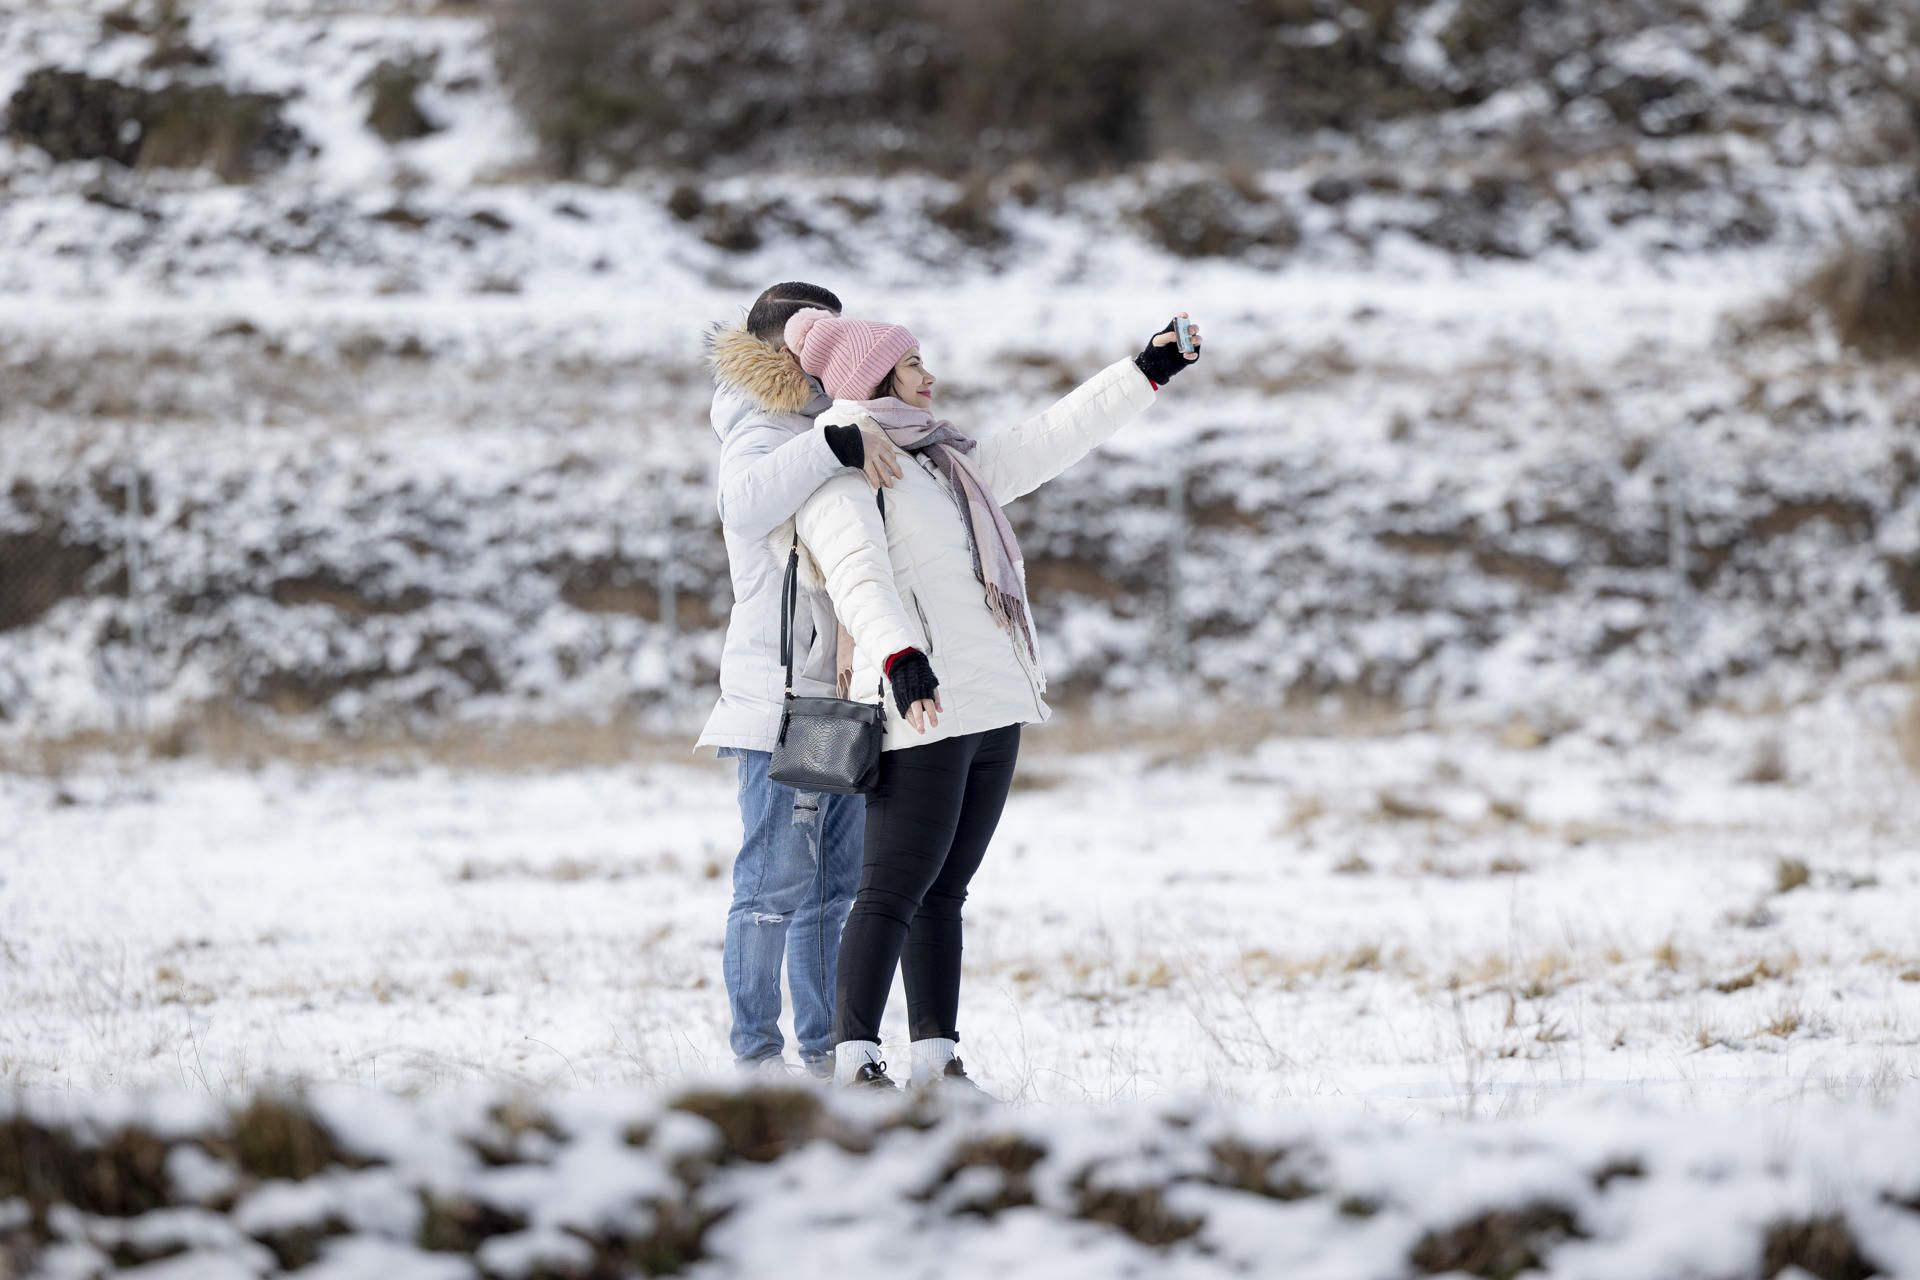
{"points": [[806, 816]]}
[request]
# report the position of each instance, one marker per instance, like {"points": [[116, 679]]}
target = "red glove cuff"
{"points": [[887, 666]]}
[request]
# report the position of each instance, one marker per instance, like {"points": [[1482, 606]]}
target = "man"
{"points": [[799, 859]]}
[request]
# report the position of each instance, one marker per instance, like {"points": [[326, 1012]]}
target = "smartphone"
{"points": [[1183, 334]]}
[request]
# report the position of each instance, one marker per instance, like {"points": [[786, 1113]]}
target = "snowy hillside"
{"points": [[419, 431]]}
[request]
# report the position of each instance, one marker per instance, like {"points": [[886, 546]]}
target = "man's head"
{"points": [[767, 320]]}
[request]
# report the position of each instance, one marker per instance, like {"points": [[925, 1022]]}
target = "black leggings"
{"points": [[928, 824]]}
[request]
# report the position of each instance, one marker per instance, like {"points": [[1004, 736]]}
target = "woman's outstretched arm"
{"points": [[1020, 459]]}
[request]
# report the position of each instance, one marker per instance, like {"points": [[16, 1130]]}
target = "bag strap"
{"points": [[790, 602]]}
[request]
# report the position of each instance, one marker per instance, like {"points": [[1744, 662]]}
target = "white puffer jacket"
{"points": [[910, 583]]}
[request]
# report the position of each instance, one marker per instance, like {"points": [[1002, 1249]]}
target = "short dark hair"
{"points": [[767, 320]]}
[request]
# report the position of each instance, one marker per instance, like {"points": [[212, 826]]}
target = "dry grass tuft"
{"points": [[1871, 293], [1784, 1022], [278, 1137], [1769, 764], [1500, 1245], [757, 1125], [122, 1175], [1364, 959], [457, 1225], [1822, 1247], [1763, 970], [1790, 874], [1010, 1157], [1473, 974], [1705, 1034], [1260, 1171], [1139, 1211], [1409, 808], [1907, 735], [1156, 977], [1547, 975]]}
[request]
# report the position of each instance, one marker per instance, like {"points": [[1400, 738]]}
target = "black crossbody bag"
{"points": [[825, 744]]}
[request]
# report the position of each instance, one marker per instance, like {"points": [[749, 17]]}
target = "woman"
{"points": [[930, 585]]}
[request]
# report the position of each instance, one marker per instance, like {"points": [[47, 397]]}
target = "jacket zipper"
{"points": [[925, 628], [1026, 669]]}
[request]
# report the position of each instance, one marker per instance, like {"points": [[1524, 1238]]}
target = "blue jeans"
{"points": [[792, 885]]}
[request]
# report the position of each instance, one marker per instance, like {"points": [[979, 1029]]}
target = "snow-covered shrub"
{"points": [[1871, 292], [1225, 216]]}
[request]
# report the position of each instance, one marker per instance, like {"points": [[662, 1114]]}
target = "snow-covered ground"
{"points": [[724, 1182], [1425, 922]]}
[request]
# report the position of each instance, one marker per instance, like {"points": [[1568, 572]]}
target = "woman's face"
{"points": [[911, 381]]}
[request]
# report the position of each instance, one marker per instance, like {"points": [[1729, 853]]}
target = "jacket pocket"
{"points": [[926, 628]]}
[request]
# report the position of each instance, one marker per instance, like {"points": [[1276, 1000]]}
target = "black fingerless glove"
{"points": [[913, 679], [846, 444], [1161, 363]]}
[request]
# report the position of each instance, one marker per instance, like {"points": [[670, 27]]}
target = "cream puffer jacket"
{"points": [[908, 583]]}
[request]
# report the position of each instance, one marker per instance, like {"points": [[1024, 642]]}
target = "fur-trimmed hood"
{"points": [[769, 377]]}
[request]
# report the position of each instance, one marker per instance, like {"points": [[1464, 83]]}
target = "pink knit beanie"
{"points": [[850, 357]]}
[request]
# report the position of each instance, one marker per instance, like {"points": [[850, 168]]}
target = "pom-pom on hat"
{"points": [[850, 357]]}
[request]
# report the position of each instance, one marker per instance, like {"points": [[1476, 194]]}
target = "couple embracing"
{"points": [[923, 596]]}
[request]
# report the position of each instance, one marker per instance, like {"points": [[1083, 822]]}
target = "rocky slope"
{"points": [[1493, 424]]}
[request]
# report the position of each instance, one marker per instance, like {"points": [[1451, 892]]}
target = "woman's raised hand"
{"points": [[1167, 337], [1162, 358]]}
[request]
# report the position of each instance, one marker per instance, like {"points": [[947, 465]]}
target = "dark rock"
{"points": [[41, 570], [393, 108], [733, 228], [1329, 189], [686, 202], [73, 116]]}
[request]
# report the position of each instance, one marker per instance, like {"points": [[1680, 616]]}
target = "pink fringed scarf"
{"points": [[996, 553]]}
